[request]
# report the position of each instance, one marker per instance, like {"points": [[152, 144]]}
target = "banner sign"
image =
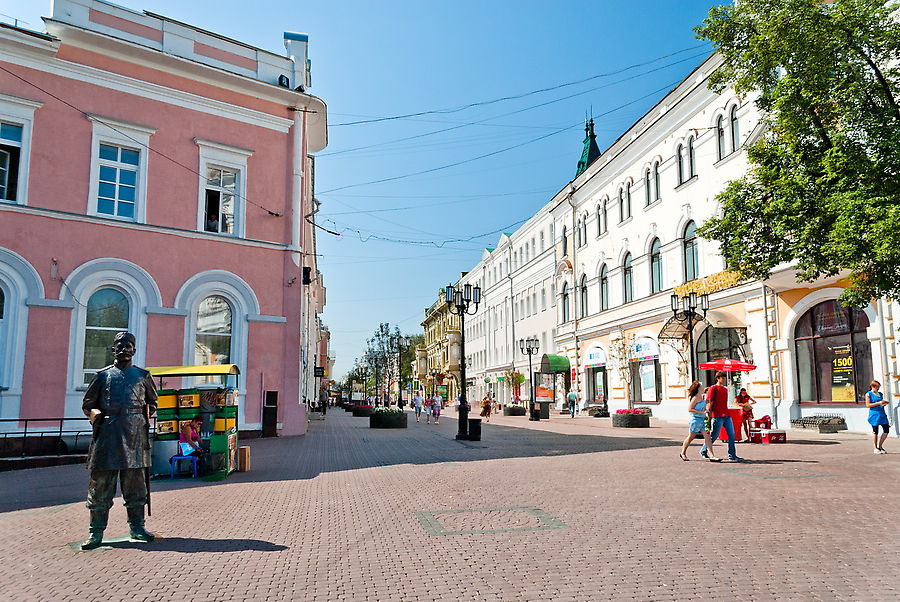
{"points": [[842, 374]]}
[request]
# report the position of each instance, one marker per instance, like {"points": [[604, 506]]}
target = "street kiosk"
{"points": [[215, 398]]}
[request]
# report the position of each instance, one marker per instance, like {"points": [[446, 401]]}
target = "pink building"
{"points": [[154, 177]]}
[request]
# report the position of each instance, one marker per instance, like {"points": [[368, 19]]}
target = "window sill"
{"points": [[690, 180], [653, 204], [626, 220], [849, 404], [602, 235], [726, 158]]}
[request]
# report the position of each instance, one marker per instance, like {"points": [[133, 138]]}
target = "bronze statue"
{"points": [[119, 401]]}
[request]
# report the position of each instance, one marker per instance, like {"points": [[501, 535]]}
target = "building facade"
{"points": [[155, 178], [438, 359], [621, 241]]}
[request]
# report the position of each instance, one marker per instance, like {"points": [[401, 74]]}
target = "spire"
{"points": [[591, 150]]}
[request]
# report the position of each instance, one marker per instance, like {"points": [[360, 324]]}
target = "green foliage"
{"points": [[822, 192]]}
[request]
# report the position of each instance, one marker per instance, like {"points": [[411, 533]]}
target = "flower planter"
{"points": [[514, 410], [631, 421], [362, 411], [392, 420]]}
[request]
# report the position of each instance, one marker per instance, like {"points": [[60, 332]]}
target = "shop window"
{"points": [[597, 384], [646, 375], [627, 280], [721, 343], [833, 354], [565, 302], [690, 252], [107, 313], [10, 155], [656, 276], [604, 288]]}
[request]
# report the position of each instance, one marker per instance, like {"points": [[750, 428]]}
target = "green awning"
{"points": [[551, 364]]}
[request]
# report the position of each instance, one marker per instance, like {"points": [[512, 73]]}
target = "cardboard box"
{"points": [[244, 458]]}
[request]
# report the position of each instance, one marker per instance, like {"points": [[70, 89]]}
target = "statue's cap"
{"points": [[125, 336]]}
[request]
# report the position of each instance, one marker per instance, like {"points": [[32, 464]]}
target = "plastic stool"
{"points": [[175, 461]]}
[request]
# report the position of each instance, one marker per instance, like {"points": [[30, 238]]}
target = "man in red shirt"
{"points": [[717, 406]]}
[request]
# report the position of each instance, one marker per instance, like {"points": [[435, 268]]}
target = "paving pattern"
{"points": [[565, 509]]}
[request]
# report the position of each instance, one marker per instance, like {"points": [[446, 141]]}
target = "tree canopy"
{"points": [[822, 192]]}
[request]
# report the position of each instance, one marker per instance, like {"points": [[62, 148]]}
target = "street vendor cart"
{"points": [[212, 394]]}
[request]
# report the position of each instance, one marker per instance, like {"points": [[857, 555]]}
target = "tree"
{"points": [[823, 191]]}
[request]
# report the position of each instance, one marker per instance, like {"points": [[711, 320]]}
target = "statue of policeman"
{"points": [[119, 401]]}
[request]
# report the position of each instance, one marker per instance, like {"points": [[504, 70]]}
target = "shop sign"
{"points": [[708, 284], [644, 349], [596, 358], [543, 394], [842, 374]]}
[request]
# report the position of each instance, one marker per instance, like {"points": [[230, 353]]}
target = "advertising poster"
{"points": [[443, 391], [648, 381], [543, 394], [842, 374], [359, 394]]}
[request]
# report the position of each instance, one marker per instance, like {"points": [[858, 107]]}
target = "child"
{"points": [[745, 402], [697, 426], [877, 416]]}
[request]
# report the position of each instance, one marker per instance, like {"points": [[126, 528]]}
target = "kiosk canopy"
{"points": [[551, 364]]}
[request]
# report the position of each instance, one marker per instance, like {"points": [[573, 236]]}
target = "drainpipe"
{"points": [[888, 377], [574, 281], [765, 296]]}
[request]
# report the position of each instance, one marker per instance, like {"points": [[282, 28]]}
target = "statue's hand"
{"points": [[95, 413]]}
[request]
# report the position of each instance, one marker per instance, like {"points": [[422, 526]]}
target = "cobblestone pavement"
{"points": [[565, 509]]}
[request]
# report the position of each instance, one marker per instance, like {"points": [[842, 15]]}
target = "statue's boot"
{"points": [[98, 526], [136, 524]]}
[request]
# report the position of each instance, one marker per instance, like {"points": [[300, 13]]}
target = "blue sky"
{"points": [[380, 59]]}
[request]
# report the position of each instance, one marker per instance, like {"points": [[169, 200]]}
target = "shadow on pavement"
{"points": [[190, 545]]}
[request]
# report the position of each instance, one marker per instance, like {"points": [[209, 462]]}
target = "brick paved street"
{"points": [[557, 510]]}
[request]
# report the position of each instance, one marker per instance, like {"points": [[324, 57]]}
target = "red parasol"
{"points": [[727, 365]]}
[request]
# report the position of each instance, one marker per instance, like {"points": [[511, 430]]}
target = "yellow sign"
{"points": [[708, 284]]}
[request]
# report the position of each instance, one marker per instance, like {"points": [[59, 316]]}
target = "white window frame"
{"points": [[223, 156], [20, 111], [122, 134]]}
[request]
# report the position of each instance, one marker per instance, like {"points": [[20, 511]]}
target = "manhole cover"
{"points": [[487, 520]]}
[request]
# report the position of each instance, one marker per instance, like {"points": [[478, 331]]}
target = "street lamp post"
{"points": [[461, 302], [685, 309], [402, 342], [434, 374], [530, 347]]}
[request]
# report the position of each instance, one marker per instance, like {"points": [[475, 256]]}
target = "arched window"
{"points": [[621, 206], [627, 200], [603, 224], [720, 137], [627, 280], [565, 242], [691, 158], [578, 241], [2, 334], [735, 135], [604, 288], [584, 234], [583, 297], [833, 354], [679, 160], [656, 189], [656, 276], [690, 252], [648, 196], [542, 241], [106, 314], [212, 339], [565, 302]]}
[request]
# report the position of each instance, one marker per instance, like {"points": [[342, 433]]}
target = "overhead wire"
{"points": [[521, 95]]}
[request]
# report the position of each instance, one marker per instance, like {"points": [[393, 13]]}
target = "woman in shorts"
{"points": [[436, 404], [877, 417], [697, 426]]}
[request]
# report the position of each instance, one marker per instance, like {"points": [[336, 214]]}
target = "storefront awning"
{"points": [[213, 370], [676, 328], [551, 364]]}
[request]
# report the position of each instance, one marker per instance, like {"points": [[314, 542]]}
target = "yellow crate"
{"points": [[165, 427], [225, 424], [167, 401], [189, 400]]}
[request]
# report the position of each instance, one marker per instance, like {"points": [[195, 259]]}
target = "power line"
{"points": [[522, 110], [496, 152], [136, 141], [522, 95]]}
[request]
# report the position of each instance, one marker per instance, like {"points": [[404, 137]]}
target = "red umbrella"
{"points": [[727, 365]]}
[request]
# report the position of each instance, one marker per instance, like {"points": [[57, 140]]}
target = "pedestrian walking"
{"points": [[697, 427], [745, 402], [486, 408], [418, 401], [717, 399], [877, 417], [573, 402], [436, 405]]}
